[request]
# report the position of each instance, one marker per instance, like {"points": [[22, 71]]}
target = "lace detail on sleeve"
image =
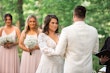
{"points": [[42, 38]]}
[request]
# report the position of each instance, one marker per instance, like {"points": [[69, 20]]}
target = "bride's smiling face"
{"points": [[53, 25], [32, 23]]}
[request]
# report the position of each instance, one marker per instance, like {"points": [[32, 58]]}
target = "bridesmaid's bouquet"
{"points": [[30, 43], [6, 39], [2, 40]]}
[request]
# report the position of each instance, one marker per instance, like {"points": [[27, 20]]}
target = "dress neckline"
{"points": [[8, 33], [52, 39], [31, 35]]}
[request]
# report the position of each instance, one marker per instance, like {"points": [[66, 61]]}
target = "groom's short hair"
{"points": [[80, 11]]}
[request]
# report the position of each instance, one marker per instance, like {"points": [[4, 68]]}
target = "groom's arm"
{"points": [[62, 44], [96, 47]]}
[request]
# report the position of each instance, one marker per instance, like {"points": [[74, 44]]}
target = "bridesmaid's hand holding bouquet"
{"points": [[30, 43]]}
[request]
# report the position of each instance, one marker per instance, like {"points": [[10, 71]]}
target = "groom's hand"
{"points": [[48, 51]]}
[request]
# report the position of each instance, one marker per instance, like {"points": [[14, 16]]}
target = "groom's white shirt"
{"points": [[77, 42]]}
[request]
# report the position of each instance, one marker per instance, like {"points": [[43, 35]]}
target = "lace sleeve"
{"points": [[43, 44]]}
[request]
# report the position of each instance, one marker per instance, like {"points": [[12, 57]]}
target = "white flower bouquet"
{"points": [[30, 43], [10, 39], [2, 40], [6, 39]]}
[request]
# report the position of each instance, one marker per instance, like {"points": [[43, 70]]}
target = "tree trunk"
{"points": [[20, 13]]}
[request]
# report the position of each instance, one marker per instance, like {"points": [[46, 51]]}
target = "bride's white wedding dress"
{"points": [[49, 63]]}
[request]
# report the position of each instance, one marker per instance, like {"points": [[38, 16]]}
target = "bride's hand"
{"points": [[46, 51]]}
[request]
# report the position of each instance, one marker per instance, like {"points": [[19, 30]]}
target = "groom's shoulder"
{"points": [[92, 28], [67, 28]]}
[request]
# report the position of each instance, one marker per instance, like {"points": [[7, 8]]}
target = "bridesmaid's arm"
{"points": [[1, 34], [21, 42], [1, 31], [18, 35]]}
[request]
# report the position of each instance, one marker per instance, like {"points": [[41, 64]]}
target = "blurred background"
{"points": [[98, 15]]}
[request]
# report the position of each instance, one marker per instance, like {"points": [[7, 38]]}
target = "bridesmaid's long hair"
{"points": [[26, 28], [47, 21]]}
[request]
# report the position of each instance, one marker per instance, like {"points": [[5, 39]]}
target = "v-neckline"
{"points": [[8, 33], [31, 35], [52, 39]]}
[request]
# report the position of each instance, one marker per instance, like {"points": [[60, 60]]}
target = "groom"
{"points": [[77, 42]]}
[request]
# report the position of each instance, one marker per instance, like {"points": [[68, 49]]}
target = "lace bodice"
{"points": [[45, 41]]}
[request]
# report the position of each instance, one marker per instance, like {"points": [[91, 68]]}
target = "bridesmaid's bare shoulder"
{"points": [[39, 30], [1, 29]]}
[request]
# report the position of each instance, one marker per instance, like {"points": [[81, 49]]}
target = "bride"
{"points": [[48, 40]]}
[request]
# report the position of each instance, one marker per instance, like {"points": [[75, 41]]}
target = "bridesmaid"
{"points": [[9, 59], [30, 56]]}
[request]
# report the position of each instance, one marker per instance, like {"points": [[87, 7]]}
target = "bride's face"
{"points": [[53, 25], [32, 23]]}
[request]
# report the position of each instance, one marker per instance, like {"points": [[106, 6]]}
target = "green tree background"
{"points": [[98, 14]]}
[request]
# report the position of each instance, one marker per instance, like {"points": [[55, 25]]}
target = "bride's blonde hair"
{"points": [[26, 28]]}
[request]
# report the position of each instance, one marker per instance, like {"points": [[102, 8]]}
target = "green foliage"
{"points": [[62, 8], [7, 6], [96, 65], [98, 16]]}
